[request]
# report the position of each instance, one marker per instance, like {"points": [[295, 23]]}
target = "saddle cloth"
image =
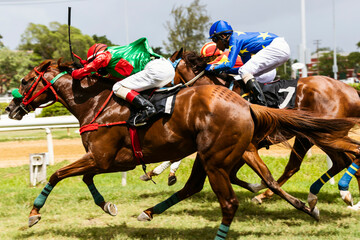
{"points": [[163, 100], [280, 93]]}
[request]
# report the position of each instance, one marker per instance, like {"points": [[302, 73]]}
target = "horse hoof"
{"points": [[256, 200], [110, 208], [172, 180], [145, 177], [316, 213], [312, 200], [144, 217], [34, 220], [346, 197]]}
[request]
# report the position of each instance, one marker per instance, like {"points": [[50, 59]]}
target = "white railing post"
{"points": [[50, 146]]}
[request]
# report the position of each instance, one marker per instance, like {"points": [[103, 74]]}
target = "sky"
{"points": [[124, 21]]}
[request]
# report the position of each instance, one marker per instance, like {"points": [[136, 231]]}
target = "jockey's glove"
{"points": [[210, 68]]}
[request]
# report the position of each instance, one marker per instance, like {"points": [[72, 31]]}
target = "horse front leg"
{"points": [[252, 158], [99, 200], [84, 165], [193, 185], [300, 148]]}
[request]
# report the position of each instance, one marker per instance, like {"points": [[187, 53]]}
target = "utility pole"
{"points": [[303, 52], [335, 67], [317, 43]]}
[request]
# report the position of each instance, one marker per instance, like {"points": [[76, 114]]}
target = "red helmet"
{"points": [[95, 50], [209, 49]]}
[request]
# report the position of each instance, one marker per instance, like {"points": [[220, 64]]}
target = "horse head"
{"points": [[35, 90]]}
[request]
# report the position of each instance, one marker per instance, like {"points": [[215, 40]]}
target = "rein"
{"points": [[26, 99]]}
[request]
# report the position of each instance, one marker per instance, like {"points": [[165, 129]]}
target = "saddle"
{"points": [[163, 100]]}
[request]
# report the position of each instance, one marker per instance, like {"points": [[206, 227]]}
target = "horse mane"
{"points": [[64, 66], [195, 61]]}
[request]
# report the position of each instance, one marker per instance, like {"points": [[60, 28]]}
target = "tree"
{"points": [[326, 64], [102, 39], [187, 30], [1, 43], [358, 44], [52, 42], [14, 65]]}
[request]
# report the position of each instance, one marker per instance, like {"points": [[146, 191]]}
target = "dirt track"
{"points": [[17, 153]]}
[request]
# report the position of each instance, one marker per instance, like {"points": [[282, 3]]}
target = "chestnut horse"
{"points": [[211, 120], [318, 94]]}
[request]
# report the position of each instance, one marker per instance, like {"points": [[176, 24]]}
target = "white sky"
{"points": [[147, 18]]}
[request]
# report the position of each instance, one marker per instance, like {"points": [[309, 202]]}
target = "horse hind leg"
{"points": [[99, 200], [300, 148], [193, 185], [253, 159]]}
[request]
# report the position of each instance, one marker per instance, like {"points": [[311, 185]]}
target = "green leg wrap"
{"points": [[222, 232], [161, 207], [98, 198], [40, 200]]}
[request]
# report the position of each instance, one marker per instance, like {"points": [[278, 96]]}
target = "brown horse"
{"points": [[322, 95], [211, 120]]}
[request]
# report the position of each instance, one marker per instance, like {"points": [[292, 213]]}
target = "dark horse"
{"points": [[318, 94], [211, 120]]}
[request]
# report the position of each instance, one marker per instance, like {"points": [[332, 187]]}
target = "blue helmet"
{"points": [[220, 27]]}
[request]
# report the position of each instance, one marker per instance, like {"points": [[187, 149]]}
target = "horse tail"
{"points": [[282, 124]]}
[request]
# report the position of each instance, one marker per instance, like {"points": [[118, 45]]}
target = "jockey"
{"points": [[261, 52], [136, 68]]}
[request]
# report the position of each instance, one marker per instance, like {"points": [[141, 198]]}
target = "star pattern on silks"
{"points": [[239, 33], [263, 35], [243, 51]]}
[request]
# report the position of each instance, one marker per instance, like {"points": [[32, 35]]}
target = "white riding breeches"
{"points": [[267, 59], [156, 74], [266, 77]]}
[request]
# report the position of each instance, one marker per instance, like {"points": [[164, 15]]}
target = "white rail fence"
{"points": [[29, 122]]}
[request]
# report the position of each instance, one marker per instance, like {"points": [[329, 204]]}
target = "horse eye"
{"points": [[23, 81]]}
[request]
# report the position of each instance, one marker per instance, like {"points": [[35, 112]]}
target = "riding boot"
{"points": [[254, 88], [146, 109]]}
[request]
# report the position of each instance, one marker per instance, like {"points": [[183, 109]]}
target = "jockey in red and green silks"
{"points": [[138, 68]]}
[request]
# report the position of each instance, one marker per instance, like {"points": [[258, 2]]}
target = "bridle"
{"points": [[27, 97], [193, 80]]}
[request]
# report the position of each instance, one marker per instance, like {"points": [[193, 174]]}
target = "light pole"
{"points": [[335, 67], [303, 40]]}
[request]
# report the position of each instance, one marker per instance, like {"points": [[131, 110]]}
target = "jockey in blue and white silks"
{"points": [[261, 53]]}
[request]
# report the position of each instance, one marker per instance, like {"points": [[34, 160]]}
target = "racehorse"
{"points": [[211, 120], [318, 94]]}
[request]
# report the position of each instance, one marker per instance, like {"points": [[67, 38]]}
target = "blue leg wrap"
{"points": [[346, 178], [98, 198], [316, 186], [161, 207], [222, 232], [40, 200]]}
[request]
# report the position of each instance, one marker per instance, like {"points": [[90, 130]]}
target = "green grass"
{"points": [[39, 134], [70, 212]]}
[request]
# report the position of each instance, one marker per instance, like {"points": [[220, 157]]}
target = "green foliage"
{"points": [[102, 39], [52, 42], [284, 71], [188, 27], [2, 107], [56, 109], [326, 64], [14, 65]]}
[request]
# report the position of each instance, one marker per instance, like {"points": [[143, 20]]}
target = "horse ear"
{"points": [[176, 55], [44, 66]]}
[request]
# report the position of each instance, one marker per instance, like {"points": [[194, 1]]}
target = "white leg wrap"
{"points": [[174, 166], [159, 169], [256, 187], [346, 197]]}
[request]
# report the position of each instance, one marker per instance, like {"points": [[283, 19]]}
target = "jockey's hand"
{"points": [[210, 68], [70, 70]]}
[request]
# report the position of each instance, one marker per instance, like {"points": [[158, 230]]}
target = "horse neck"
{"points": [[83, 98]]}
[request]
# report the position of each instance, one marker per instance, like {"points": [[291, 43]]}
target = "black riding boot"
{"points": [[254, 88], [147, 110]]}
